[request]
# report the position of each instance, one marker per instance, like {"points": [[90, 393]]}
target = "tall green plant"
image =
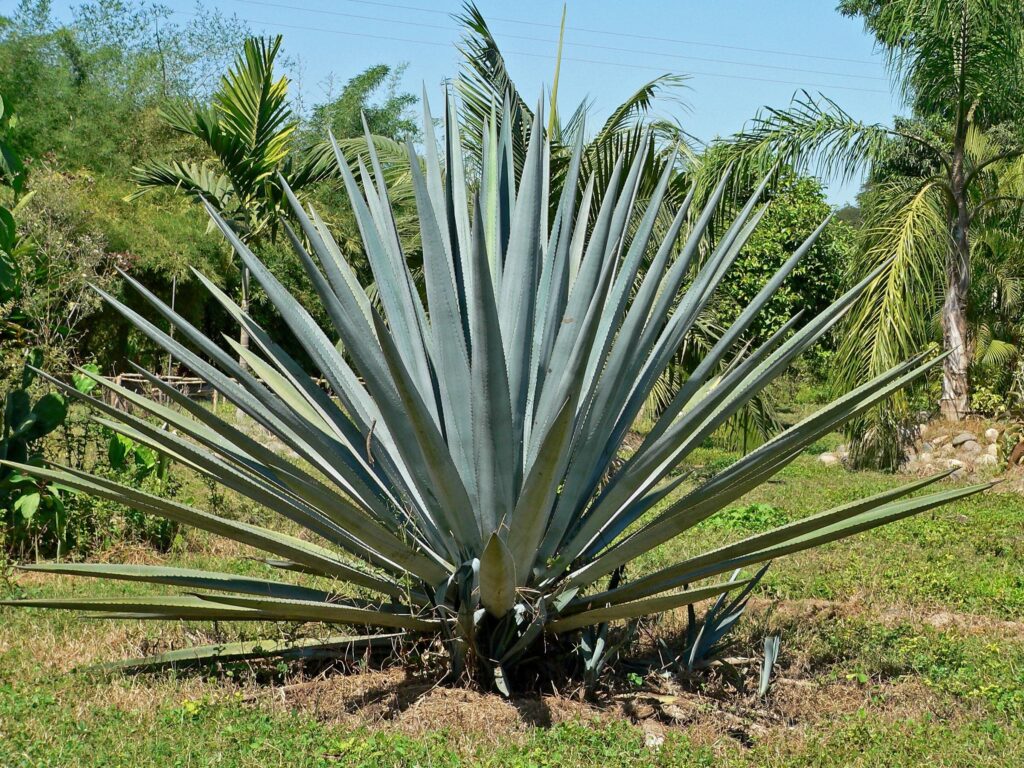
{"points": [[959, 66], [12, 176], [34, 518], [249, 129], [463, 483]]}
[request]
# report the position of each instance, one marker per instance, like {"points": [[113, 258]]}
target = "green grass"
{"points": [[901, 647]]}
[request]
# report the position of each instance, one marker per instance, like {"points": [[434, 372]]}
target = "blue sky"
{"points": [[741, 54]]}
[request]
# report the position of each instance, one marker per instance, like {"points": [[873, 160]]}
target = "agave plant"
{"points": [[462, 478]]}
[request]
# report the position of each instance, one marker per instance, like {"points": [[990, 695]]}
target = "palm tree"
{"points": [[248, 129], [959, 65], [485, 84]]}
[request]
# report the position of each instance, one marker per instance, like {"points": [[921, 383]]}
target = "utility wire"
{"points": [[613, 33], [830, 73], [277, 24]]}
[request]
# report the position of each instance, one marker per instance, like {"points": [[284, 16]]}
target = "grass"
{"points": [[901, 647]]}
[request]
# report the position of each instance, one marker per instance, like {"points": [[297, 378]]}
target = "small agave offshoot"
{"points": [[462, 476]]}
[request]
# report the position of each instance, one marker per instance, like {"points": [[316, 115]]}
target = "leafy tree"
{"points": [[797, 206], [374, 96], [63, 253], [960, 67], [248, 129], [86, 92]]}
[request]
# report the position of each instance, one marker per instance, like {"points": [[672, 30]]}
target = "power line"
{"points": [[569, 43], [420, 8], [277, 24]]}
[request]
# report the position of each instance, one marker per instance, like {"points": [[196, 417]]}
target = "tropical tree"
{"points": [[464, 484], [959, 66], [484, 84], [372, 99], [248, 130], [86, 89]]}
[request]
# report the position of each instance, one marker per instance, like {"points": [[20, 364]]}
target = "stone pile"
{"points": [[939, 447]]}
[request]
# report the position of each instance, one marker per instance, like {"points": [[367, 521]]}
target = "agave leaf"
{"points": [[264, 493], [175, 607], [841, 521], [372, 431], [330, 457], [489, 398], [317, 559], [454, 505], [334, 613], [332, 647], [595, 441], [249, 454], [379, 366], [530, 517], [641, 607], [394, 282], [554, 284], [432, 165], [448, 332], [497, 577], [750, 471], [520, 275], [457, 204], [182, 577]]}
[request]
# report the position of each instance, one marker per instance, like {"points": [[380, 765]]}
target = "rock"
{"points": [[923, 431], [991, 434], [926, 446], [971, 446], [986, 460], [828, 459], [954, 463], [940, 439], [992, 450], [947, 450], [925, 456], [964, 437]]}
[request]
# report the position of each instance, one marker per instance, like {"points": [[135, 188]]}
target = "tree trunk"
{"points": [[955, 401]]}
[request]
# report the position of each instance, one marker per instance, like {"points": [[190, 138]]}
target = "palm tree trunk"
{"points": [[955, 401]]}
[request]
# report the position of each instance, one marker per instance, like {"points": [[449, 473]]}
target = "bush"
{"points": [[65, 254]]}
